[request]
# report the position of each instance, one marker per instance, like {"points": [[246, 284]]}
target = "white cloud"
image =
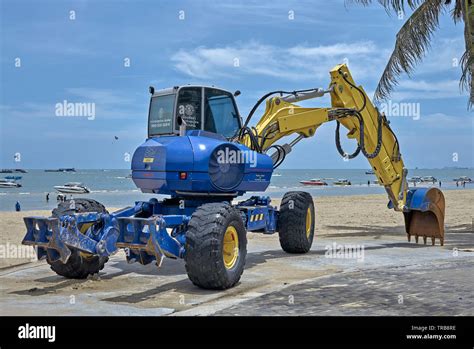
{"points": [[432, 86], [444, 56], [422, 89], [305, 62], [339, 49], [300, 62]]}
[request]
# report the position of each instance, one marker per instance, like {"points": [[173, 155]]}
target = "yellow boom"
{"points": [[352, 108]]}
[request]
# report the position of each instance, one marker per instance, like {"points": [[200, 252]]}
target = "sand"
{"points": [[343, 216]]}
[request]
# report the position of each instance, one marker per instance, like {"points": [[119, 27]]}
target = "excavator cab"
{"points": [[197, 107]]}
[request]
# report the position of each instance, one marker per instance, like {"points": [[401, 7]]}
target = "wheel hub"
{"points": [[308, 222], [230, 248]]}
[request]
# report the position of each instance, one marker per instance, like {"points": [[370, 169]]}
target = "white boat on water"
{"points": [[428, 179], [72, 188], [6, 183], [463, 179]]}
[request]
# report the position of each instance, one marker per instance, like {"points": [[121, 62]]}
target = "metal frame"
{"points": [[146, 234]]}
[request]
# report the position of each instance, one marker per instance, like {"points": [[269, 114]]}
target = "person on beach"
{"points": [[47, 197], [457, 184], [464, 184], [440, 184], [368, 183], [17, 207]]}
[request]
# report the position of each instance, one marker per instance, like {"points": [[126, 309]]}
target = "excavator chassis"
{"points": [[147, 232]]}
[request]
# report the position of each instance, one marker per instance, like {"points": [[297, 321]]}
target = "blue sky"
{"points": [[82, 60]]}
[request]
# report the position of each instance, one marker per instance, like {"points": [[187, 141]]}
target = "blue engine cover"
{"points": [[200, 162]]}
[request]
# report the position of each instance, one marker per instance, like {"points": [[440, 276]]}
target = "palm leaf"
{"points": [[413, 39], [467, 60], [458, 12], [389, 5]]}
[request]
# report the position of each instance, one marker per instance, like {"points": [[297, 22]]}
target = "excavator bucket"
{"points": [[425, 214]]}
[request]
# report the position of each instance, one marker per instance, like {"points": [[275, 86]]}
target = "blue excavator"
{"points": [[203, 156]]}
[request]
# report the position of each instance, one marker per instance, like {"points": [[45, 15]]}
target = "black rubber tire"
{"points": [[78, 266], [292, 222], [204, 246]]}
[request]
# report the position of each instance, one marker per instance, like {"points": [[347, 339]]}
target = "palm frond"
{"points": [[413, 39], [358, 2], [458, 13], [467, 60], [389, 5]]}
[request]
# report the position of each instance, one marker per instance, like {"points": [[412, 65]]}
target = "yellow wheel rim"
{"points": [[230, 249], [308, 222]]}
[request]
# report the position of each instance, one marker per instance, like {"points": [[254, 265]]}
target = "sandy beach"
{"points": [[365, 215]]}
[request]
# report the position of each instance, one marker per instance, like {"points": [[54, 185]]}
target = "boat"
{"points": [[428, 179], [414, 179], [15, 178], [314, 181], [72, 188], [6, 183], [463, 179], [369, 172], [8, 170], [71, 169], [342, 181]]}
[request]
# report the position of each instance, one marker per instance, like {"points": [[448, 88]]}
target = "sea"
{"points": [[113, 188]]}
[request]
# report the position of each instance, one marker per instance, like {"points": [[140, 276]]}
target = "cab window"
{"points": [[220, 114], [160, 118], [189, 107]]}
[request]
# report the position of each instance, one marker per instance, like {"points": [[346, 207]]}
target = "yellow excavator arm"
{"points": [[352, 108]]}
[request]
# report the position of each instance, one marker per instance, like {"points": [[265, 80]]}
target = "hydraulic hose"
{"points": [[357, 113]]}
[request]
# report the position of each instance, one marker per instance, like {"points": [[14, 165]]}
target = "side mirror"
{"points": [[236, 93], [152, 90]]}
